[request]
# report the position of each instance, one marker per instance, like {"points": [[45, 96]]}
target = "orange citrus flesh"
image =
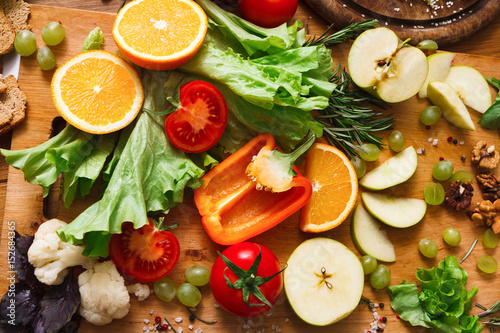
{"points": [[160, 34], [97, 92], [335, 189]]}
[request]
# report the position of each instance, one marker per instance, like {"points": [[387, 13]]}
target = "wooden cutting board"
{"points": [[25, 204], [445, 21]]}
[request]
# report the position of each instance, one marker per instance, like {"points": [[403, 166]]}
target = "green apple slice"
{"points": [[369, 237], [454, 110], [398, 212], [471, 87], [395, 170], [381, 65], [439, 67], [323, 281]]}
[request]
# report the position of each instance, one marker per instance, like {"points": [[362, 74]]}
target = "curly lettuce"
{"points": [[443, 304]]}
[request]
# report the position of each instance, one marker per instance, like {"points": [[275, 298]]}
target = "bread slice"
{"points": [[17, 11], [7, 34], [12, 105]]}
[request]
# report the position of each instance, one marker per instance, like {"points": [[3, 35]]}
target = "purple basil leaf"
{"points": [[19, 305], [24, 270], [57, 306]]}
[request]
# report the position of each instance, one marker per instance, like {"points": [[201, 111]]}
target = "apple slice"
{"points": [[385, 67], [395, 170], [323, 281], [369, 237], [454, 110], [395, 211], [439, 67], [471, 87]]}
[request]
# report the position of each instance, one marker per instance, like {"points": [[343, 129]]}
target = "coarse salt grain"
{"points": [[151, 312], [145, 328], [146, 321], [190, 327], [180, 329], [178, 320], [198, 330], [430, 139], [216, 305]]}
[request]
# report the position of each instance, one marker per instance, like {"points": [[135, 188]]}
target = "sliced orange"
{"points": [[160, 34], [335, 189], [97, 92]]}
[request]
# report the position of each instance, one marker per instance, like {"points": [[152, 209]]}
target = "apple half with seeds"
{"points": [[323, 281], [380, 63]]}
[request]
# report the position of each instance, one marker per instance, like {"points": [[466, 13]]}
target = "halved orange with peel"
{"points": [[97, 92], [160, 34], [335, 189]]}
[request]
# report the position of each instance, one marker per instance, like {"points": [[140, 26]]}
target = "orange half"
{"points": [[335, 189], [97, 92], [160, 34]]}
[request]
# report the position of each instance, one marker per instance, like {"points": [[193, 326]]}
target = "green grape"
{"points": [[188, 294], [428, 247], [46, 58], [25, 43], [442, 170], [359, 165], [434, 194], [490, 239], [487, 264], [430, 115], [53, 33], [427, 44], [369, 152], [197, 275], [463, 175], [369, 263], [165, 289], [452, 236], [397, 141], [380, 277]]}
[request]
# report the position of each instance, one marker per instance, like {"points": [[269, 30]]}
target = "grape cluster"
{"points": [[52, 34]]}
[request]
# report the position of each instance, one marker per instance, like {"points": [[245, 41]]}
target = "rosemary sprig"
{"points": [[350, 120], [470, 250], [492, 309], [342, 35]]}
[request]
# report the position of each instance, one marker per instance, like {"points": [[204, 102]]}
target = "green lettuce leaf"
{"points": [[150, 176], [443, 303], [66, 152]]}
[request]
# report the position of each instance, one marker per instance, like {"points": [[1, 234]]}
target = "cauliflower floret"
{"points": [[104, 295], [51, 256], [142, 291]]}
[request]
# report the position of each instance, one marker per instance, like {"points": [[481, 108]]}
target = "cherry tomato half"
{"points": [[145, 254], [243, 255], [268, 13], [200, 120]]}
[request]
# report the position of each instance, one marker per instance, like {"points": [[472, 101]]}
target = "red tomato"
{"points": [[200, 120], [145, 254], [268, 13], [243, 255]]}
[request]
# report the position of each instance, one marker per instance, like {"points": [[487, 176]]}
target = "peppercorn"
{"points": [[380, 329], [428, 127], [455, 141], [441, 158], [384, 319], [450, 139], [159, 327], [164, 327], [462, 158], [381, 305], [191, 318], [158, 319]]}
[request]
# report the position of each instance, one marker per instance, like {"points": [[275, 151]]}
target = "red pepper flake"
{"points": [[428, 127], [397, 316], [450, 139], [441, 158], [158, 319]]}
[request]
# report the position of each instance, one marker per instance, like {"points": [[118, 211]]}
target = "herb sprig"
{"points": [[491, 321], [350, 119], [342, 35]]}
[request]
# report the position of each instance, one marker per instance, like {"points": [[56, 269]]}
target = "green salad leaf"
{"points": [[150, 176], [491, 117], [443, 303]]}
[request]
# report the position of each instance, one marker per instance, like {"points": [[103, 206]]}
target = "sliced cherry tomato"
{"points": [[268, 13], [243, 255], [201, 118], [145, 254]]}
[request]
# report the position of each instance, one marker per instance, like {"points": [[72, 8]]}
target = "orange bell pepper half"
{"points": [[233, 210]]}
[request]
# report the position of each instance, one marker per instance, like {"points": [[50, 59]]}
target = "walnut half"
{"points": [[484, 156], [459, 196], [487, 214]]}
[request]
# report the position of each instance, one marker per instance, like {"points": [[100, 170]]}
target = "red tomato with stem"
{"points": [[200, 119], [243, 255], [145, 254], [268, 13]]}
